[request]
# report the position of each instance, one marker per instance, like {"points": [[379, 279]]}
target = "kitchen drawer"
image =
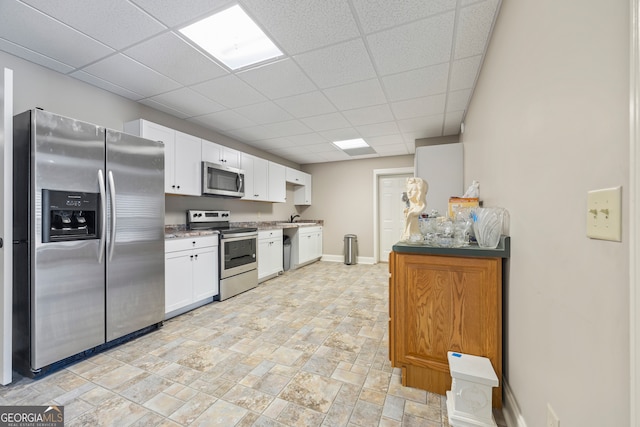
{"points": [[269, 234], [186, 243]]}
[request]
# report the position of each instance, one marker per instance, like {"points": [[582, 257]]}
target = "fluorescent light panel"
{"points": [[354, 147], [233, 38], [348, 144]]}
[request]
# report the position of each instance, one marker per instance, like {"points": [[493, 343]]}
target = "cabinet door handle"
{"points": [[191, 256], [196, 257]]}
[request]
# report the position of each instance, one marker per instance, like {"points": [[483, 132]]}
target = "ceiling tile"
{"points": [[52, 39], [229, 91], [377, 15], [376, 141], [188, 102], [35, 57], [423, 127], [452, 123], [288, 128], [224, 120], [415, 45], [264, 112], [273, 143], [98, 82], [129, 74], [162, 107], [326, 122], [323, 147], [458, 100], [307, 139], [173, 13], [421, 82], [278, 79], [306, 105], [337, 65], [368, 115], [464, 73], [378, 129], [392, 150], [473, 29], [356, 95], [160, 53], [248, 134], [340, 134], [301, 25], [425, 106], [117, 24]]}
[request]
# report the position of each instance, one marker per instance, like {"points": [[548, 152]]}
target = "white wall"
{"points": [[549, 121], [343, 197]]}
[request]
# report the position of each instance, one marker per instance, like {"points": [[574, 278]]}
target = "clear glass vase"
{"points": [[487, 226]]}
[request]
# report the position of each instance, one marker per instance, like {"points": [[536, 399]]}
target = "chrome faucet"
{"points": [[293, 217]]}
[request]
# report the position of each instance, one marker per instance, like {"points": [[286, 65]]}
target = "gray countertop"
{"points": [[180, 230], [502, 251]]}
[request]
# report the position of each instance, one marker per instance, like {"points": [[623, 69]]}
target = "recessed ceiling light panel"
{"points": [[232, 37], [350, 143], [354, 147]]}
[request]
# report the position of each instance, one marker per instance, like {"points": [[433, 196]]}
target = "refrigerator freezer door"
{"points": [[67, 281], [135, 246]]}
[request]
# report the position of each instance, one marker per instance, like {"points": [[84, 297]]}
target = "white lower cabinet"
{"points": [[306, 245], [191, 273], [269, 254]]}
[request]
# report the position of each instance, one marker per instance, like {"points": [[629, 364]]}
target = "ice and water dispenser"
{"points": [[69, 216]]}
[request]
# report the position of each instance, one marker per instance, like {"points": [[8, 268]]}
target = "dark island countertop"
{"points": [[473, 250]]}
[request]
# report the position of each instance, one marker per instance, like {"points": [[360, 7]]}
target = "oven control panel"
{"points": [[207, 216]]}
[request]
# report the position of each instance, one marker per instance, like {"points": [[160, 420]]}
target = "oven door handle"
{"points": [[239, 236]]}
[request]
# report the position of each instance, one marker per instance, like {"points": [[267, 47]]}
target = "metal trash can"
{"points": [[286, 252], [350, 249]]}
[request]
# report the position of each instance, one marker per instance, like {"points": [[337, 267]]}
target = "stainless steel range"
{"points": [[238, 251]]}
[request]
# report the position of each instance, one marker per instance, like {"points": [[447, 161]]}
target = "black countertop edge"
{"points": [[502, 251]]}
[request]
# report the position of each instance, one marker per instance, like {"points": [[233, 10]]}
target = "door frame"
{"points": [[634, 211], [377, 173], [6, 274]]}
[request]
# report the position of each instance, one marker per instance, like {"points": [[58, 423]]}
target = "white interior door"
{"points": [[6, 223], [390, 212]]}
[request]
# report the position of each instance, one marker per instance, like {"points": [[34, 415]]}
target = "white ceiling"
{"points": [[389, 71]]}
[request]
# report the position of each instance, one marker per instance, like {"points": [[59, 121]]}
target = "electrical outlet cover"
{"points": [[604, 214]]}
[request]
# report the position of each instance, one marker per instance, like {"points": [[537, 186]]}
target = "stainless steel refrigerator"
{"points": [[88, 237]]}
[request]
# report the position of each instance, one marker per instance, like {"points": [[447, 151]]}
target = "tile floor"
{"points": [[308, 348]]}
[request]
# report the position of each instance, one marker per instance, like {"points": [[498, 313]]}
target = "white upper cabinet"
{"points": [[181, 156], [256, 177], [277, 183], [216, 153], [295, 176]]}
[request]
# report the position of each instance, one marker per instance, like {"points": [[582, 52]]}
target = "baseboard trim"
{"points": [[510, 408], [340, 258]]}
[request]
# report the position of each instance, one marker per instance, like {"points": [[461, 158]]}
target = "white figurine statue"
{"points": [[416, 204], [473, 190]]}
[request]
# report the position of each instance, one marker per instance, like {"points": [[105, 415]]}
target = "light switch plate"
{"points": [[604, 214]]}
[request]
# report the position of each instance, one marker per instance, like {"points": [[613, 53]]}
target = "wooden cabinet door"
{"points": [[440, 304]]}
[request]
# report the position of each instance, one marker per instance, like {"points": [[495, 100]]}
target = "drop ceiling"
{"points": [[388, 71]]}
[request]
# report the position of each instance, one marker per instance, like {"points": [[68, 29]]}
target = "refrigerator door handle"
{"points": [[103, 216], [112, 194]]}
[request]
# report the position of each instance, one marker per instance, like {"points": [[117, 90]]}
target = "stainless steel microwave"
{"points": [[224, 181]]}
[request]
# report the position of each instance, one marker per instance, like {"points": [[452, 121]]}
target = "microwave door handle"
{"points": [[103, 216], [239, 180]]}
